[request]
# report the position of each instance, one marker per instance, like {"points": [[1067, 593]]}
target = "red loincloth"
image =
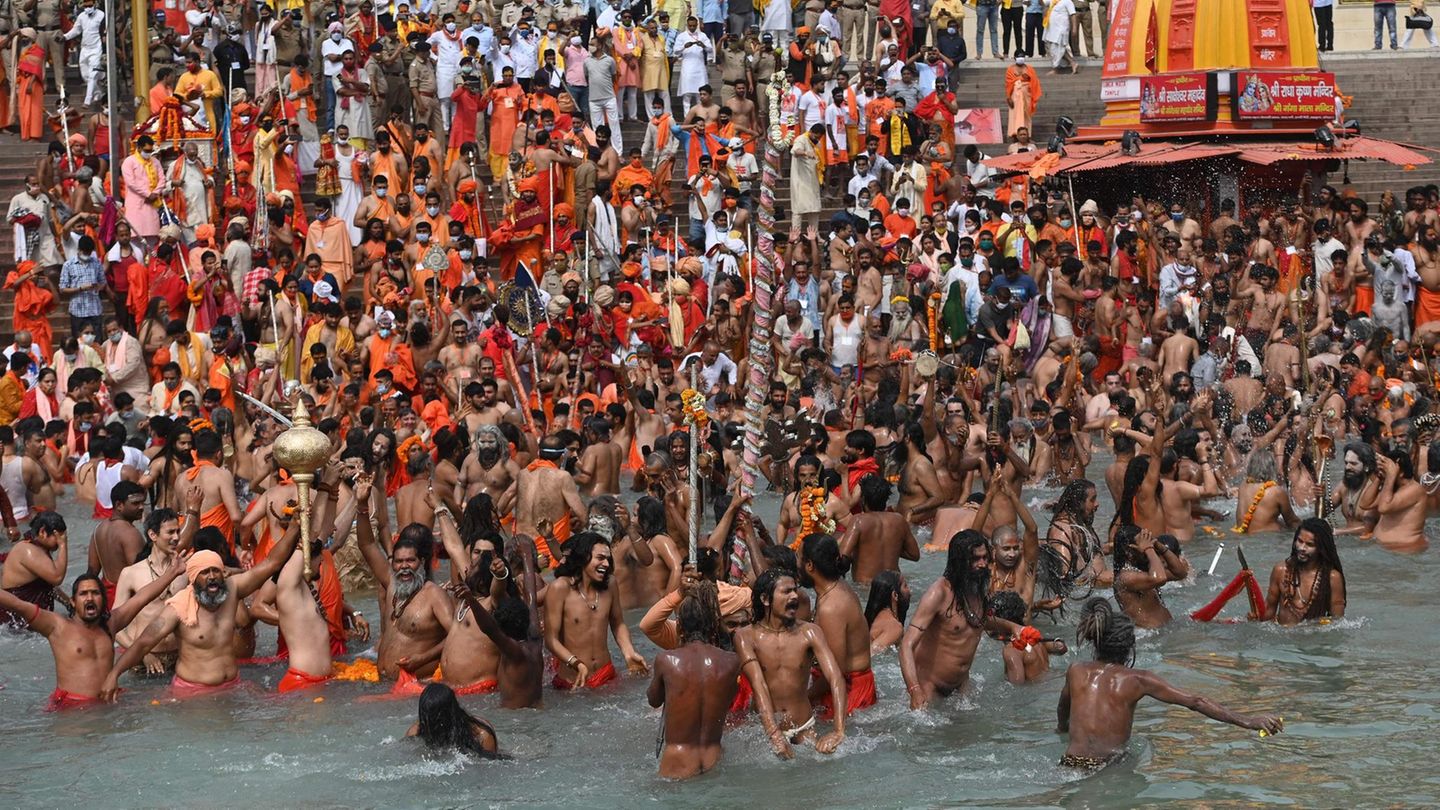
{"points": [[1245, 580], [60, 700], [743, 693], [480, 687], [182, 689], [604, 675], [859, 693], [295, 680]]}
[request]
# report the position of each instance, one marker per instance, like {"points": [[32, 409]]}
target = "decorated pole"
{"points": [[696, 423], [762, 358]]}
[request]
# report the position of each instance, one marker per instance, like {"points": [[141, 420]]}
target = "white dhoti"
{"points": [[1060, 326]]}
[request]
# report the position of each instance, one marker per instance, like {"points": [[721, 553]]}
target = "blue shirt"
{"points": [[711, 11], [1022, 289], [79, 272]]}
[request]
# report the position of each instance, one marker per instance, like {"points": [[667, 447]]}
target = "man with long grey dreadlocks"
{"points": [[1071, 560], [490, 469]]}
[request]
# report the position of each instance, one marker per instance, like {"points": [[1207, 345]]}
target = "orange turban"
{"points": [[531, 183], [466, 186], [242, 167], [630, 269], [204, 232], [186, 606], [565, 210]]}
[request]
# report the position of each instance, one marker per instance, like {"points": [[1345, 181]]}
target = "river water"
{"points": [[1358, 697]]}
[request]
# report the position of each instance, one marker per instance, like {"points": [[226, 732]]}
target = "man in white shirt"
{"points": [[862, 176], [525, 50], [445, 43], [1323, 248], [331, 52], [745, 168], [89, 27]]}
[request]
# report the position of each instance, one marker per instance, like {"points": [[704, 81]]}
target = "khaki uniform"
{"points": [[427, 106]]}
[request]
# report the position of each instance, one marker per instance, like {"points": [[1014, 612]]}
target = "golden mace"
{"points": [[301, 450]]}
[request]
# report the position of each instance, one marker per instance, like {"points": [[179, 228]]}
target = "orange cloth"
{"points": [[1364, 300], [1016, 74], [743, 694], [859, 693], [407, 684], [295, 680], [627, 178], [217, 515], [32, 309], [481, 687], [221, 381], [32, 106], [1427, 307], [186, 606], [604, 675], [506, 104], [402, 366]]}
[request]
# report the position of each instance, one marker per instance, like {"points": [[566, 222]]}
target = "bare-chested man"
{"points": [[116, 543], [513, 627], [939, 645], [1143, 563], [599, 467], [40, 485], [204, 618], [470, 659], [415, 614], [303, 622], [1310, 583], [411, 504], [921, 492], [807, 481], [876, 539], [696, 684], [580, 613], [461, 358], [490, 469], [1357, 491], [777, 653], [1262, 502], [1402, 503], [1097, 703], [483, 405], [219, 506], [839, 615], [546, 492], [84, 643]]}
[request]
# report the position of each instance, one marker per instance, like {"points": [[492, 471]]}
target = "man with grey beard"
{"points": [[415, 614], [491, 470], [203, 618]]}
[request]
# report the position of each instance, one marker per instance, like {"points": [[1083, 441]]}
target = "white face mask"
{"points": [[505, 49], [422, 238], [904, 212], [336, 37], [245, 119], [450, 27], [381, 192], [87, 339], [432, 210], [148, 153], [419, 188], [466, 253]]}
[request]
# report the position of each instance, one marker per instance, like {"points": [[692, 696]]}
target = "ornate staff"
{"points": [[301, 450]]}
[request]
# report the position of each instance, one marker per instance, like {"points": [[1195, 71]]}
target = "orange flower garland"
{"points": [[811, 504], [693, 406], [1243, 527]]}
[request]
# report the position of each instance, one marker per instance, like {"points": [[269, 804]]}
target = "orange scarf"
{"points": [[541, 464]]}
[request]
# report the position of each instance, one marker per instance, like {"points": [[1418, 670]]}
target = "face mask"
{"points": [[986, 244], [245, 119], [384, 333], [422, 137], [148, 153], [904, 212], [84, 427], [70, 358], [420, 188], [950, 30], [87, 339], [322, 216], [505, 49], [639, 199], [381, 192], [450, 27], [193, 68], [466, 254], [1065, 223], [1177, 216], [336, 37], [967, 261], [115, 338]]}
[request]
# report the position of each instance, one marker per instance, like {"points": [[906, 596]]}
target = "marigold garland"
{"points": [[811, 505], [1243, 527], [693, 406]]}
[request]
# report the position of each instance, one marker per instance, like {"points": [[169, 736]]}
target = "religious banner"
{"points": [[1117, 43], [1290, 95], [1178, 97]]}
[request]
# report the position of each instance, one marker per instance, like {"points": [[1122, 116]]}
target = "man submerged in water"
{"points": [[1310, 583], [696, 684], [580, 614], [1097, 703]]}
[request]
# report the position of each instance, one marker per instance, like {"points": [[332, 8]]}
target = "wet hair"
{"points": [[963, 581], [1007, 605], [1072, 500], [823, 552], [513, 616], [577, 554], [1327, 559], [699, 614], [1108, 630], [47, 522], [1135, 473], [884, 587], [1124, 541], [421, 540], [650, 516], [479, 521], [874, 492], [444, 723], [763, 589]]}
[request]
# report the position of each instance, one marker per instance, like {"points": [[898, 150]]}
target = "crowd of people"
{"points": [[441, 247]]}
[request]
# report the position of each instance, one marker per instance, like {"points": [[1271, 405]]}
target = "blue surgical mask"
{"points": [[384, 333]]}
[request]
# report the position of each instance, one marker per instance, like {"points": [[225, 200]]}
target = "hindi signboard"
{"points": [[1295, 95]]}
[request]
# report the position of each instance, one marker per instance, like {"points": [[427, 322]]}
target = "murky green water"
{"points": [[1359, 699]]}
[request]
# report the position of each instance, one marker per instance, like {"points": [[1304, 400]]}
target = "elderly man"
{"points": [[125, 365]]}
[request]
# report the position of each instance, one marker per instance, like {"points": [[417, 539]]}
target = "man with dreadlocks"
{"points": [[491, 470], [1310, 583], [1358, 484], [84, 643], [1097, 703], [696, 684], [1071, 556], [940, 643]]}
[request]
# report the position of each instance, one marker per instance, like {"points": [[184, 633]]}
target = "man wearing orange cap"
{"points": [[467, 209], [202, 616]]}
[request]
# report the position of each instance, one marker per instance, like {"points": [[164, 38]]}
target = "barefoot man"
{"points": [[513, 627], [1097, 703], [84, 644], [546, 492], [470, 659], [302, 622], [203, 617], [776, 654], [219, 506], [696, 684], [580, 613]]}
